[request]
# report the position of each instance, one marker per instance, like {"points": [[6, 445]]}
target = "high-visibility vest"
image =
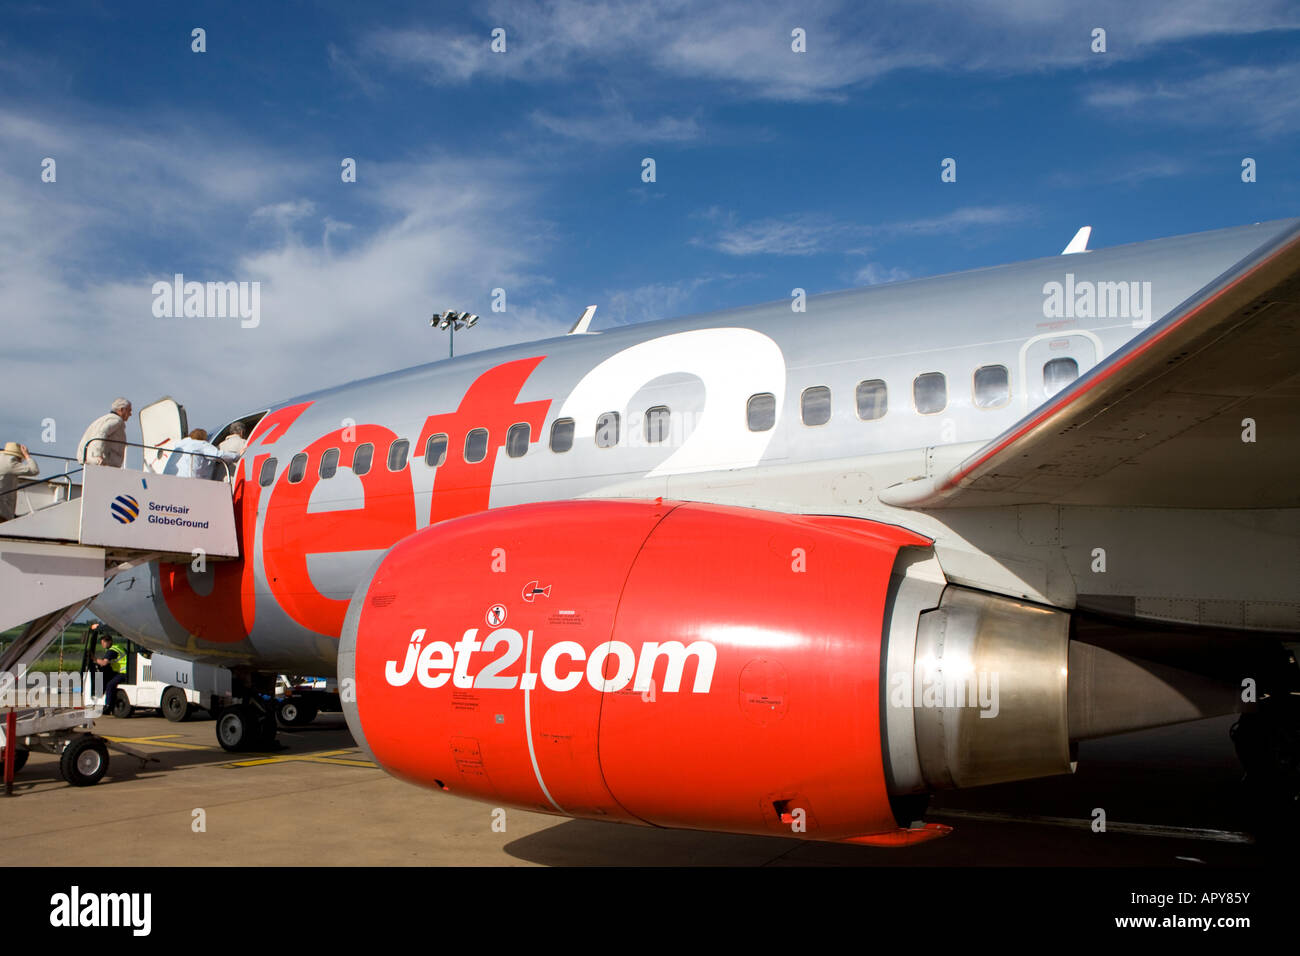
{"points": [[119, 664]]}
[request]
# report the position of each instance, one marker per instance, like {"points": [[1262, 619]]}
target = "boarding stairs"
{"points": [[70, 539]]}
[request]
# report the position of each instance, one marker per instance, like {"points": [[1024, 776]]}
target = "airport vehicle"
{"points": [[298, 701], [789, 569], [173, 686]]}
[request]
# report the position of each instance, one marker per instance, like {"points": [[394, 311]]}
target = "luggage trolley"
{"points": [[69, 734]]}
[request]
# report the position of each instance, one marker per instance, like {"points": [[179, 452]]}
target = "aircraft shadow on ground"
{"points": [[972, 843]]}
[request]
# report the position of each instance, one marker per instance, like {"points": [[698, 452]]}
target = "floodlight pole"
{"points": [[451, 321]]}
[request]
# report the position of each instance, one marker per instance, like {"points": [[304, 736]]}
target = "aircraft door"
{"points": [[162, 424], [1048, 363]]}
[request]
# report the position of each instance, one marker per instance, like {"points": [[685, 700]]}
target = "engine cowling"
{"points": [[677, 665]]}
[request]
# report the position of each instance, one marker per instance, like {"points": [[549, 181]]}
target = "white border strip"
{"points": [[528, 724]]}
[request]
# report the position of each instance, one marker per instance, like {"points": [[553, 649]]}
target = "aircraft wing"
{"points": [[1160, 423]]}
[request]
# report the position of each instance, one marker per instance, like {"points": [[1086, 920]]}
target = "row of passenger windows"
{"points": [[991, 388], [476, 446]]}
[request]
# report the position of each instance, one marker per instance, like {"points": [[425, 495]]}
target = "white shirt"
{"points": [[196, 465]]}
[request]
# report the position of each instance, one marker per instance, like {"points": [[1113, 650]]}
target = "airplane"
{"points": [[793, 568]]}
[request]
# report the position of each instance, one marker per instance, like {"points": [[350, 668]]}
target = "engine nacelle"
{"points": [[677, 665]]}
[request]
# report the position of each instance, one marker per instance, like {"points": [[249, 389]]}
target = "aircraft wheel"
{"points": [[296, 713], [238, 728], [174, 705], [20, 759], [84, 761]]}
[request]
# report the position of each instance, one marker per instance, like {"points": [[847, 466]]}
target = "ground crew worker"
{"points": [[15, 463], [111, 660], [104, 442]]}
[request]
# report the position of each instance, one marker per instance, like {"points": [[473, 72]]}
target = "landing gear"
{"points": [[245, 727], [249, 725], [297, 713], [84, 761], [235, 728]]}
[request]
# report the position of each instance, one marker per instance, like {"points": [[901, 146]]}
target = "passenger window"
{"points": [[267, 475], [1058, 373], [873, 400], [435, 450], [562, 434], [992, 386], [397, 452], [607, 430], [329, 463], [815, 405], [297, 467], [930, 392], [476, 443], [760, 412], [656, 424], [362, 458], [517, 440]]}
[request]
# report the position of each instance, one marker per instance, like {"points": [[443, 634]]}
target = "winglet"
{"points": [[1079, 243], [580, 327]]}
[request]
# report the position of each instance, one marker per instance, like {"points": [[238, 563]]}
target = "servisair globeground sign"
{"points": [[148, 512]]}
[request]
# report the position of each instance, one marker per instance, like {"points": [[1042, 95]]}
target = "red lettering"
{"points": [[385, 514], [225, 614], [462, 487]]}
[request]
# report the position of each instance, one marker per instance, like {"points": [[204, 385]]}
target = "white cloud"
{"points": [[745, 45], [659, 300], [442, 234], [807, 235], [283, 214], [617, 126], [873, 273], [966, 217], [1264, 100], [1123, 169], [796, 236]]}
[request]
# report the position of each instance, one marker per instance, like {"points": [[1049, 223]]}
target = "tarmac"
{"points": [[1170, 797]]}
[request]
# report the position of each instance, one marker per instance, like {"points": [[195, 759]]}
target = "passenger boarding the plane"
{"points": [[196, 457], [104, 442], [235, 440], [15, 463]]}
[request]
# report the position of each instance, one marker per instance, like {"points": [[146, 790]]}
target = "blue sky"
{"points": [[522, 170]]}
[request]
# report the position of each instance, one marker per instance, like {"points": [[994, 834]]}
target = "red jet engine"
{"points": [[649, 662]]}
